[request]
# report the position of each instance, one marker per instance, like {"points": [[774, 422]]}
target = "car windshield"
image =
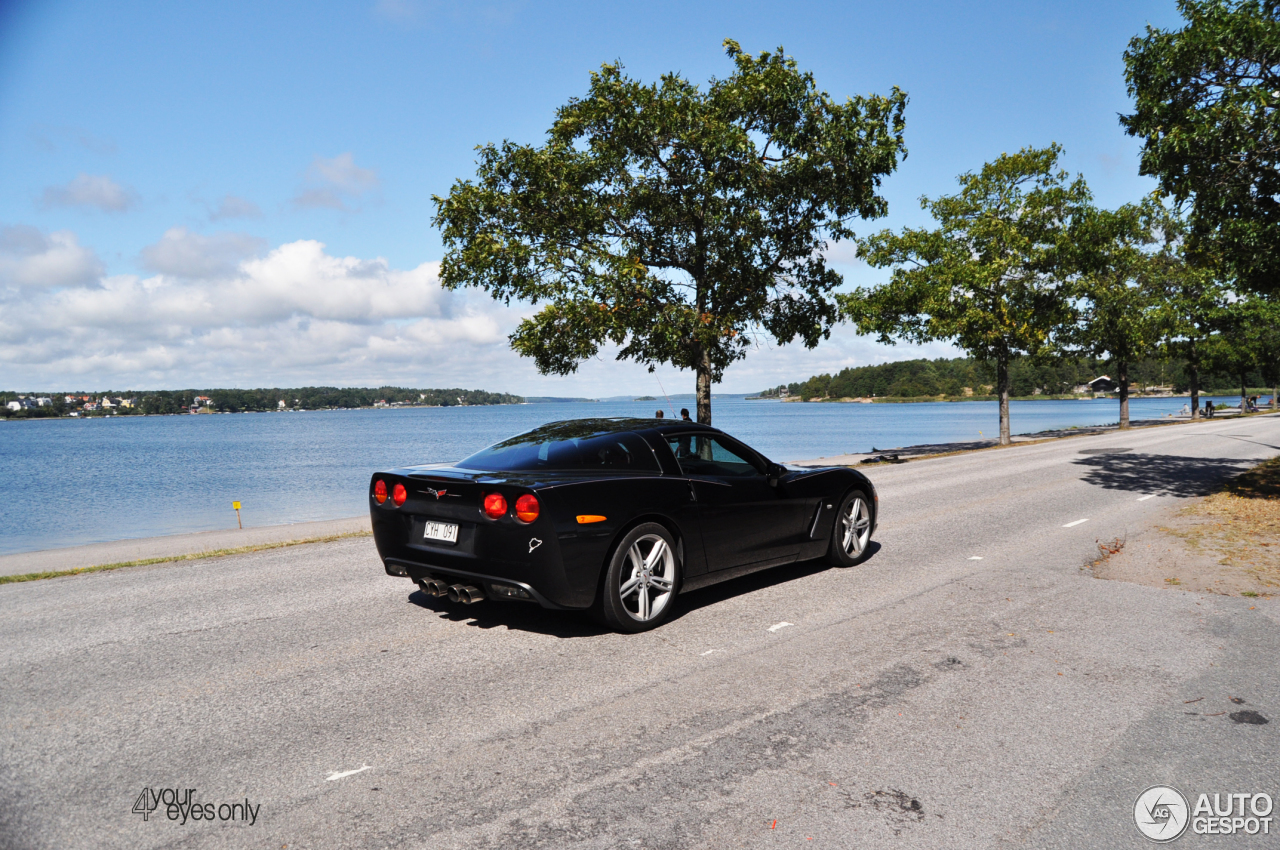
{"points": [[566, 446]]}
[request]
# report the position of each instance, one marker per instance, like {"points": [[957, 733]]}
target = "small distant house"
{"points": [[1103, 384], [14, 405], [44, 401], [280, 405], [107, 403], [90, 405], [382, 402], [128, 402], [204, 401], [72, 399]]}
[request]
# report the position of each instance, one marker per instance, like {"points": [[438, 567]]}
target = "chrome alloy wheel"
{"points": [[855, 527], [646, 588]]}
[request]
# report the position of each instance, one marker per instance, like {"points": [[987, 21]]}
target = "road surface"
{"points": [[968, 686]]}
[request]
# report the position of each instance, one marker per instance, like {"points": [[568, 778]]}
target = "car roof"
{"points": [[617, 424]]}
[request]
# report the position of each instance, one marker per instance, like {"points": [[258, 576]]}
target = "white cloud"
{"points": [[331, 183], [232, 206], [90, 190], [29, 258], [296, 315], [400, 11], [185, 254]]}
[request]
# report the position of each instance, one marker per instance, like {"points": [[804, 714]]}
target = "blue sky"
{"points": [[172, 170]]}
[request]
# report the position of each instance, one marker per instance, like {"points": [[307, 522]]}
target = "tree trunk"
{"points": [[1002, 387], [1275, 398], [1123, 372], [703, 371], [1244, 393], [1195, 391]]}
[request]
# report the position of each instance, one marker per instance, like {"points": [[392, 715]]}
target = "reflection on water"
{"points": [[69, 482]]}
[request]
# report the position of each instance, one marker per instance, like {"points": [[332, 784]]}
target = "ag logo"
{"points": [[1161, 813]]}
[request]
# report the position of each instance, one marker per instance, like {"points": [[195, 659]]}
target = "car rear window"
{"points": [[538, 450]]}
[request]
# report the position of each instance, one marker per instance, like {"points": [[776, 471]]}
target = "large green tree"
{"points": [[1118, 307], [993, 277], [1246, 342], [1206, 99], [1189, 298], [674, 222]]}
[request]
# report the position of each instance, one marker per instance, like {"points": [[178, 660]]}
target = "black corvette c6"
{"points": [[614, 515]]}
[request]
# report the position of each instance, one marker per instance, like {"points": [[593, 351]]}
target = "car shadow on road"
{"points": [[526, 617], [522, 616], [1161, 475], [756, 581]]}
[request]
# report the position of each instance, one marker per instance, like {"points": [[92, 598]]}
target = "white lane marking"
{"points": [[1144, 498], [781, 625], [709, 651], [346, 773], [1077, 522], [975, 557]]}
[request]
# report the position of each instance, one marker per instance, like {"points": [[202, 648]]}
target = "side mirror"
{"points": [[776, 471]]}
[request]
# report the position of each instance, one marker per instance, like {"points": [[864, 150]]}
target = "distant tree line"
{"points": [[1029, 377], [261, 399]]}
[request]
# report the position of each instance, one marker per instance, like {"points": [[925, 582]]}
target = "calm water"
{"points": [[69, 482]]}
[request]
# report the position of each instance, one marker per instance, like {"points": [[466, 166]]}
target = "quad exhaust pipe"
{"points": [[434, 587], [465, 594]]}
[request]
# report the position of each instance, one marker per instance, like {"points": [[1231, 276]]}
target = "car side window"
{"points": [[702, 454]]}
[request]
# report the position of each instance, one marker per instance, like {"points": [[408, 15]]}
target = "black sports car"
{"points": [[614, 515]]}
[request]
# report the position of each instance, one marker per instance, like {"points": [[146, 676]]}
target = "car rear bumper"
{"points": [[421, 572]]}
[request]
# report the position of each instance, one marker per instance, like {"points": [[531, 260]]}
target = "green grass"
{"points": [[197, 556]]}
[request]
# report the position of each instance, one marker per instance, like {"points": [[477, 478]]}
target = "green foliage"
{"points": [[993, 277], [1205, 107], [1117, 301], [673, 222], [947, 378]]}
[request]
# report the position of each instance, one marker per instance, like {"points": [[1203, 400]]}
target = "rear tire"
{"points": [[851, 532], [641, 580]]}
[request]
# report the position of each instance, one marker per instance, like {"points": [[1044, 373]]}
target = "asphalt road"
{"points": [[923, 699]]}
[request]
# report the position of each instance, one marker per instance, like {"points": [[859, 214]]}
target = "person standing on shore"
{"points": [[684, 414], [658, 414]]}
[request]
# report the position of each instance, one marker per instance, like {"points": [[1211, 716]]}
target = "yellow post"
{"points": [[236, 505]]}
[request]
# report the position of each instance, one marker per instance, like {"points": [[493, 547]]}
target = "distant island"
{"points": [[644, 398], [967, 379], [159, 402]]}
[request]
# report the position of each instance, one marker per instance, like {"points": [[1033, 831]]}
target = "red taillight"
{"points": [[527, 508], [380, 491], [494, 505], [399, 494]]}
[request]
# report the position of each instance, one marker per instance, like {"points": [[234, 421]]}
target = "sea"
{"points": [[70, 482]]}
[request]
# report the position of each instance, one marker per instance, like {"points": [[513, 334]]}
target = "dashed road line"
{"points": [[346, 773], [1077, 522], [781, 625], [1144, 498]]}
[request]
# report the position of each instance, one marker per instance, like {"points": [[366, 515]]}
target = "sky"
{"points": [[239, 194]]}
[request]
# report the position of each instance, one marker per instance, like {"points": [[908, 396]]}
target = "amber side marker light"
{"points": [[380, 491], [587, 519], [527, 508]]}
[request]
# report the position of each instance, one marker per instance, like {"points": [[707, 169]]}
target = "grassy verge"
{"points": [[1240, 524], [197, 556]]}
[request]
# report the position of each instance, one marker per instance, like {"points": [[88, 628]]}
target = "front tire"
{"points": [[641, 580], [851, 532]]}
